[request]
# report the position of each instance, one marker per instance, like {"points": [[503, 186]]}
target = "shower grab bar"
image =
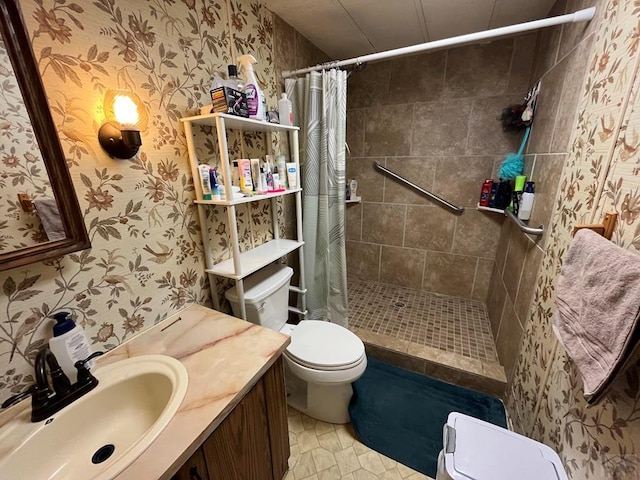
{"points": [[457, 210], [523, 226]]}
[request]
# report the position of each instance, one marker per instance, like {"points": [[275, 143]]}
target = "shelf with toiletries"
{"points": [[234, 122], [537, 231], [206, 179]]}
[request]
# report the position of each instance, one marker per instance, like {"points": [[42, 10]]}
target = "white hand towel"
{"points": [[47, 209]]}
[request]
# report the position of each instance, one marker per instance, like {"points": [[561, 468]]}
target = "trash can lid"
{"points": [[478, 450]]}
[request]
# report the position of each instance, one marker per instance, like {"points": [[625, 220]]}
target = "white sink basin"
{"points": [[101, 433]]}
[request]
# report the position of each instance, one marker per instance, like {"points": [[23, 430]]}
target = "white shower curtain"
{"points": [[320, 110]]}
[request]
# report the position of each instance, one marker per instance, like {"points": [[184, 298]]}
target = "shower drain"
{"points": [[399, 304]]}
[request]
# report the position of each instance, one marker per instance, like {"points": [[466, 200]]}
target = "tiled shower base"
{"points": [[445, 337]]}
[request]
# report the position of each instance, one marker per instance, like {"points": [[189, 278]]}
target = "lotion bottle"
{"points": [[524, 213], [256, 101], [69, 344]]}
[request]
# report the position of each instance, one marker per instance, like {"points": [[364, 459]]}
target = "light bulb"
{"points": [[125, 111]]}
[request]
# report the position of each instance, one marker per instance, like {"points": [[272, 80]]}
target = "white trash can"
{"points": [[477, 450]]}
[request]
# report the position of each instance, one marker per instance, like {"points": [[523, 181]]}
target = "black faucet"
{"points": [[44, 401]]}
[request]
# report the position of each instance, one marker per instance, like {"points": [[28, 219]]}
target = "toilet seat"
{"points": [[325, 346]]}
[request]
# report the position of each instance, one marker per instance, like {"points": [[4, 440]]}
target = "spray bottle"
{"points": [[255, 98]]}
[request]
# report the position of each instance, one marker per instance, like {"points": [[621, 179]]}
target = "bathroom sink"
{"points": [[101, 433]]}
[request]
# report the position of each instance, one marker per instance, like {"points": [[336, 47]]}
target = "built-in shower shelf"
{"points": [[537, 231], [354, 200]]}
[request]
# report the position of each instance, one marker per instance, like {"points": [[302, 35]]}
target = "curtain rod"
{"points": [[580, 16]]}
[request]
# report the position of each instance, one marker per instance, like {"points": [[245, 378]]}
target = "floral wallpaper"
{"points": [[146, 260], [545, 398], [22, 169]]}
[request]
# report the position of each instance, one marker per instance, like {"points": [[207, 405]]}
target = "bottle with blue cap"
{"points": [[69, 344]]}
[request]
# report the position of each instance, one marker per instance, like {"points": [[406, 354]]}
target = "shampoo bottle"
{"points": [[69, 344], [524, 213], [256, 101]]}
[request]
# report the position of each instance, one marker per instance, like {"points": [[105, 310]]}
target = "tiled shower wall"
{"points": [[560, 64], [434, 119]]}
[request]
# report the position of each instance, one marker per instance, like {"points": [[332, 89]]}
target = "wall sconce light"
{"points": [[119, 136]]}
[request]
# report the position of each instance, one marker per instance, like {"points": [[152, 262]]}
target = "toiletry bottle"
{"points": [[292, 175], [269, 176], [485, 193], [262, 185], [205, 181], [256, 101], [517, 189], [503, 195], [353, 189], [235, 81], [246, 183], [285, 110], [276, 179], [69, 344], [215, 188], [281, 160], [255, 174], [235, 174], [492, 196], [527, 202]]}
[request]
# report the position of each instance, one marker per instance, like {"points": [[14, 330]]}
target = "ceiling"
{"points": [[349, 28]]}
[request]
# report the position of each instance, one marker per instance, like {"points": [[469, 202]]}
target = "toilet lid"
{"points": [[324, 345]]}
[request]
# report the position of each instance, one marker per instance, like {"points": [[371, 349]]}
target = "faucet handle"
{"points": [[84, 375], [82, 363], [17, 397]]}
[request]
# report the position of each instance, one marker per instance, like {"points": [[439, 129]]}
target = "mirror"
{"points": [[32, 162]]}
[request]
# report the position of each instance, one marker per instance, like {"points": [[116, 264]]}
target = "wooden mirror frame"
{"points": [[16, 39]]}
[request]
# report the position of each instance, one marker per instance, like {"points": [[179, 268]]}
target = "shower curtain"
{"points": [[320, 110]]}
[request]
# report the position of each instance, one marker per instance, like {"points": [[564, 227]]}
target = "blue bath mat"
{"points": [[401, 414]]}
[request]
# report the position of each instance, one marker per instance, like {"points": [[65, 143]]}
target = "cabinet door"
{"points": [[194, 469], [239, 448], [276, 399]]}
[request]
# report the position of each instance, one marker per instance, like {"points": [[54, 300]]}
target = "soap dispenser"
{"points": [[69, 344]]}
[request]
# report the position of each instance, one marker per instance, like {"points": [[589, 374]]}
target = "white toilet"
{"points": [[322, 359]]}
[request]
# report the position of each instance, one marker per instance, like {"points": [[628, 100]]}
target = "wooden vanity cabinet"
{"points": [[252, 443]]}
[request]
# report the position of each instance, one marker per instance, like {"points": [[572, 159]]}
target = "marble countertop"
{"points": [[224, 357]]}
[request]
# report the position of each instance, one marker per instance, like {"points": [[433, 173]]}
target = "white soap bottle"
{"points": [[69, 345], [285, 110], [524, 212]]}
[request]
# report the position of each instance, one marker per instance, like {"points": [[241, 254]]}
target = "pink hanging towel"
{"points": [[598, 300]]}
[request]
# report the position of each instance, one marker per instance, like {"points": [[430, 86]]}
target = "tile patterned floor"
{"points": [[455, 325], [323, 451]]}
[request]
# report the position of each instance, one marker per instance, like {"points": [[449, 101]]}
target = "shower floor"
{"points": [[446, 337], [456, 325]]}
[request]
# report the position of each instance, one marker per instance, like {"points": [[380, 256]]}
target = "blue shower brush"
{"points": [[513, 163]]}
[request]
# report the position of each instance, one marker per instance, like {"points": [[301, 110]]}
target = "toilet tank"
{"points": [[266, 296]]}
